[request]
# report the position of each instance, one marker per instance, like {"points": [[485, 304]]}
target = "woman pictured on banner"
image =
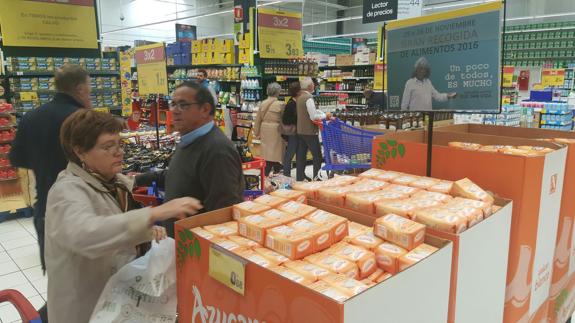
{"points": [[419, 92], [267, 128]]}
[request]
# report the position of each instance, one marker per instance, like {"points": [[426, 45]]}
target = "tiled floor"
{"points": [[20, 266]]}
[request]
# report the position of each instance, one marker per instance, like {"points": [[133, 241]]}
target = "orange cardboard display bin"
{"points": [[562, 294], [479, 265], [534, 184], [271, 298]]}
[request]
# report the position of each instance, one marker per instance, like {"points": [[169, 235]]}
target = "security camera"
{"points": [[122, 17]]}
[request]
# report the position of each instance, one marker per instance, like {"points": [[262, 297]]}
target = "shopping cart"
{"points": [[27, 312], [346, 147]]}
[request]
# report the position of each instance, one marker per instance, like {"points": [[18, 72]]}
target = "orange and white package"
{"points": [[270, 200], [467, 189], [345, 284], [341, 180], [495, 208], [290, 195], [356, 229], [399, 230], [486, 207], [415, 256], [296, 208], [203, 233], [388, 176], [422, 203], [228, 244], [562, 140], [271, 255], [519, 152], [441, 219], [244, 242], [290, 242], [365, 202], [330, 291], [254, 227], [257, 259], [442, 187], [367, 240], [309, 188], [322, 238], [367, 185], [536, 150], [280, 216], [364, 259], [400, 207], [470, 214], [495, 148], [402, 189], [333, 195], [372, 173], [404, 180], [424, 183], [291, 275], [310, 271], [370, 280], [385, 276], [337, 225], [464, 145], [440, 197], [223, 230], [334, 264], [387, 256], [248, 208]]}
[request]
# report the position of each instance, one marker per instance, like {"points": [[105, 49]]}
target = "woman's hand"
{"points": [[178, 208], [159, 233], [452, 95]]}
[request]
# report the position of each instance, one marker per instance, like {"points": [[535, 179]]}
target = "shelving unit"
{"points": [[347, 83]]}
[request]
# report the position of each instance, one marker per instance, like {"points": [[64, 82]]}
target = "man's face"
{"points": [[188, 115], [201, 77], [83, 93]]}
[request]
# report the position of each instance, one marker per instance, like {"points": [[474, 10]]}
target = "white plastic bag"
{"points": [[143, 291]]}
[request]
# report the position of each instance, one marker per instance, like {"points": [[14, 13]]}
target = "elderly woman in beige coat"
{"points": [[267, 128], [90, 232]]}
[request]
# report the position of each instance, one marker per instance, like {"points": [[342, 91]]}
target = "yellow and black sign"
{"points": [[228, 269], [151, 65], [44, 23], [279, 34]]}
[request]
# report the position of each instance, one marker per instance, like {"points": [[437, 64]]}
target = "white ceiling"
{"points": [[123, 21]]}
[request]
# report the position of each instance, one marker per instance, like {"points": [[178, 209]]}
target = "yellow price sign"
{"points": [[378, 77], [279, 34], [508, 72], [227, 268], [106, 110], [151, 65], [28, 96], [552, 77]]}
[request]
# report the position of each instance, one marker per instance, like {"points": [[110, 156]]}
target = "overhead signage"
{"points": [[279, 34], [49, 24], [379, 10], [449, 61], [186, 33], [151, 66]]}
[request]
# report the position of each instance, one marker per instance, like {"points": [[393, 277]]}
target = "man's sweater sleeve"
{"points": [[147, 179], [222, 179], [18, 153]]}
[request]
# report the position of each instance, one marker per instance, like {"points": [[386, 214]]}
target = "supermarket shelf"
{"points": [[538, 49], [252, 76], [345, 67], [51, 73], [251, 100], [334, 91], [356, 105], [539, 30], [538, 40], [555, 123], [256, 88], [175, 67], [541, 58]]}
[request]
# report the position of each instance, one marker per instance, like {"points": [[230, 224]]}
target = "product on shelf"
{"points": [[400, 230], [297, 67], [416, 255]]}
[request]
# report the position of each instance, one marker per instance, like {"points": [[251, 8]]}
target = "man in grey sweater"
{"points": [[206, 164]]}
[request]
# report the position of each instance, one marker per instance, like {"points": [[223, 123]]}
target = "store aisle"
{"points": [[20, 266]]}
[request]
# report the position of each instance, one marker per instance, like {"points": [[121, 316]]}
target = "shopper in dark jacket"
{"points": [[37, 143], [206, 164], [289, 118]]}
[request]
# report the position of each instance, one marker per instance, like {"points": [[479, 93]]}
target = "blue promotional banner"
{"points": [[448, 62]]}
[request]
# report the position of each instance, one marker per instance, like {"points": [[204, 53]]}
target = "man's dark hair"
{"points": [[294, 88], [204, 72], [68, 77], [203, 95]]}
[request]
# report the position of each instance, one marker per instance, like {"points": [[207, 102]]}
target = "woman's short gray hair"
{"points": [[305, 83], [274, 89]]}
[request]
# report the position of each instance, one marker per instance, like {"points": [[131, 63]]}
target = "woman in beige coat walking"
{"points": [[267, 128], [90, 232]]}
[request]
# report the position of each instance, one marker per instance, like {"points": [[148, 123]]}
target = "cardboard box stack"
{"points": [[318, 249], [212, 51]]}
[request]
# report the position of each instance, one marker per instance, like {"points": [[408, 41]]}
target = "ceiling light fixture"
{"points": [[343, 35], [331, 21]]}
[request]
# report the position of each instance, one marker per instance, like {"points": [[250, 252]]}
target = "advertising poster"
{"points": [[358, 44], [449, 61], [279, 34], [49, 24], [185, 33]]}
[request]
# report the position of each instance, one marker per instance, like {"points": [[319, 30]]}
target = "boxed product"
{"points": [[280, 216], [403, 208], [535, 185], [337, 225], [322, 237], [331, 299], [248, 208], [364, 259], [223, 230], [399, 230], [365, 202], [416, 255], [290, 242], [387, 257], [297, 208], [441, 219], [270, 200], [290, 195], [255, 227]]}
